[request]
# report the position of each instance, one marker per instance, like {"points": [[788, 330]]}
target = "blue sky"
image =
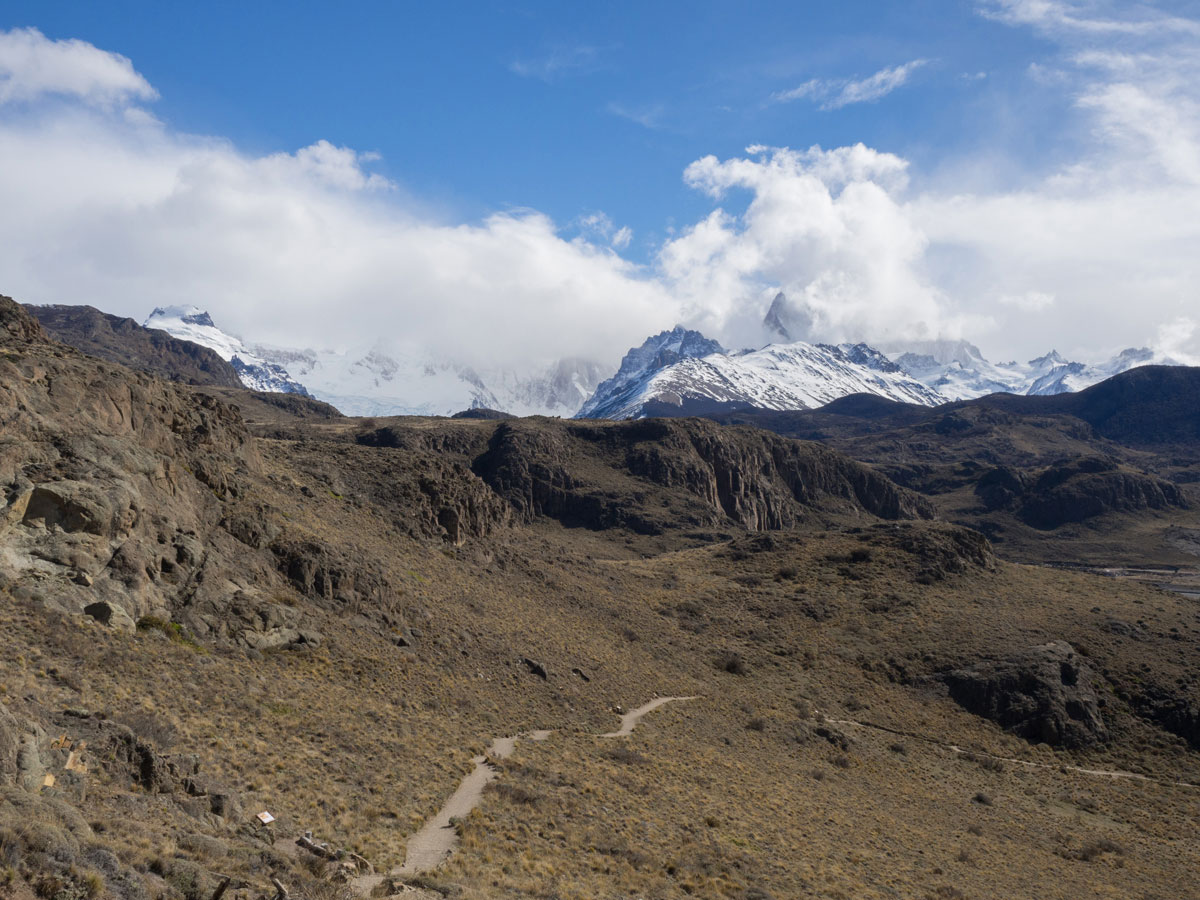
{"points": [[461, 176]]}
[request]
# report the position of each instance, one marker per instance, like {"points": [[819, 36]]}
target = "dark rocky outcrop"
{"points": [[529, 466], [1171, 712], [1084, 488], [1000, 487], [333, 579], [1046, 694], [535, 667], [481, 412]]}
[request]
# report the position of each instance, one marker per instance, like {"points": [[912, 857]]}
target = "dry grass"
{"points": [[747, 789]]}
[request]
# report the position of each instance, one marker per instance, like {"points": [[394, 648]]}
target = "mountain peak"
{"points": [[657, 352], [191, 323], [665, 348], [190, 315], [1052, 358], [785, 321]]}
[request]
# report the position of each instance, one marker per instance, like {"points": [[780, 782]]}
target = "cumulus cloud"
{"points": [[835, 93], [32, 65], [827, 227]]}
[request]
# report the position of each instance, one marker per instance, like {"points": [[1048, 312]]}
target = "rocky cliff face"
{"points": [[605, 475], [115, 486]]}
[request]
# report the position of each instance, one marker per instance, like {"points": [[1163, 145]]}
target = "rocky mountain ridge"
{"points": [[959, 371], [123, 341]]}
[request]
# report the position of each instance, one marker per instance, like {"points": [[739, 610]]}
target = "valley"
{"points": [[216, 603]]}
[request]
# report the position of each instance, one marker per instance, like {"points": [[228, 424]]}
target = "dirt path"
{"points": [[438, 839], [630, 720]]}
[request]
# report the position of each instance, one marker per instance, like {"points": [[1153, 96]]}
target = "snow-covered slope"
{"points": [[372, 382], [656, 353], [957, 370], [190, 323], [679, 372]]}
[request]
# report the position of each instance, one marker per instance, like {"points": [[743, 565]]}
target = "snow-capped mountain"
{"points": [[680, 372], [656, 353], [958, 371], [193, 324], [677, 372], [372, 382]]}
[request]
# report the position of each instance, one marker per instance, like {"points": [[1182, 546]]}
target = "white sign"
{"points": [[265, 817]]}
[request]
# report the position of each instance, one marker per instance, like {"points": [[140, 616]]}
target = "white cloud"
{"points": [[1174, 341], [1059, 18], [828, 227], [836, 93], [597, 226], [32, 65]]}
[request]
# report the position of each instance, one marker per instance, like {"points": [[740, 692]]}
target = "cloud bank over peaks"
{"points": [[827, 227]]}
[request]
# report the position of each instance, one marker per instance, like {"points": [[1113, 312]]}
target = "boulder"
{"points": [[30, 767], [112, 615], [1045, 694], [536, 668]]}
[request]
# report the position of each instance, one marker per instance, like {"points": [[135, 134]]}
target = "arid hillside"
{"points": [[214, 605]]}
